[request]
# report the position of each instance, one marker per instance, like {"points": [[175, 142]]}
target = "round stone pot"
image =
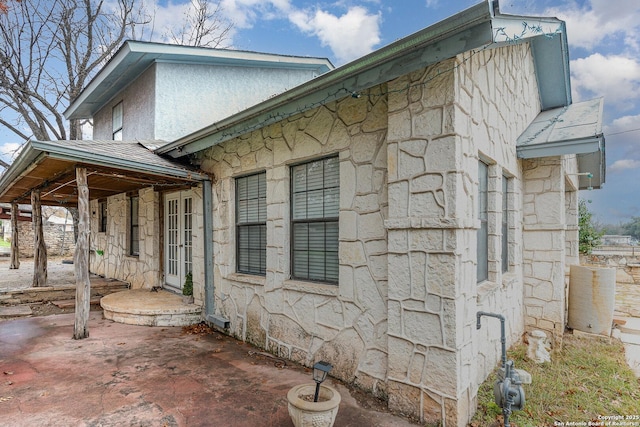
{"points": [[313, 414]]}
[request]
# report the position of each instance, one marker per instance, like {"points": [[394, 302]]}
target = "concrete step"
{"points": [[9, 312]]}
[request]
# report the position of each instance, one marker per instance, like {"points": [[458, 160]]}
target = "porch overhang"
{"points": [[113, 167], [575, 129]]}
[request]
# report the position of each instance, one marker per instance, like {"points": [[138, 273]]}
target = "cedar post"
{"points": [[39, 247], [81, 259], [15, 249]]}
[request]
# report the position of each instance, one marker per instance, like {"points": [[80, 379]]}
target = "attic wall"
{"points": [[138, 106], [192, 96]]}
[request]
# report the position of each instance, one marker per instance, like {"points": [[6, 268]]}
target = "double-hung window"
{"points": [[483, 216], [315, 204], [251, 224], [103, 217], [116, 120], [505, 224], [134, 230]]}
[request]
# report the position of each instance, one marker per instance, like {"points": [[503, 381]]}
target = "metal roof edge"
{"points": [[68, 153], [558, 148], [474, 16], [28, 158], [150, 52]]}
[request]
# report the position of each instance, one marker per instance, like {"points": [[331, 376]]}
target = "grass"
{"points": [[586, 380], [5, 243]]}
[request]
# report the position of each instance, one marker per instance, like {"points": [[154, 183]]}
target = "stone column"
{"points": [[544, 245], [426, 302]]}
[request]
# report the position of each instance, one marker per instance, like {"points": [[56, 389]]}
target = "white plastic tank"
{"points": [[592, 294]]}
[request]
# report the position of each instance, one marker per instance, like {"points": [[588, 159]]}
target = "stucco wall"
{"points": [[305, 321], [138, 104], [170, 100], [190, 97]]}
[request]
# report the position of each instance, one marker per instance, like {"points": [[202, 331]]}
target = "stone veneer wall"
{"points": [[413, 338], [141, 271], [457, 112], [54, 238], [304, 321], [550, 241]]}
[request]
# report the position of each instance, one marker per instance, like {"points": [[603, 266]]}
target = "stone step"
{"points": [[71, 303], [8, 312]]}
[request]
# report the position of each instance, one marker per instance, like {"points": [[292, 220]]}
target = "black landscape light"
{"points": [[320, 371]]}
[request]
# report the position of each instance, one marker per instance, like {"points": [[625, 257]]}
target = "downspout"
{"points": [[209, 300]]}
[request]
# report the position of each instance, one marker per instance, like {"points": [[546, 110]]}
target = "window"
{"points": [[134, 231], [116, 118], [102, 227], [483, 216], [251, 224], [315, 203], [505, 224]]}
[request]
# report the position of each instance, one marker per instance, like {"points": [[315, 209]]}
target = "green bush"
{"points": [[187, 289]]}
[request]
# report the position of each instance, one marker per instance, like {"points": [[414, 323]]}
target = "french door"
{"points": [[178, 237]]}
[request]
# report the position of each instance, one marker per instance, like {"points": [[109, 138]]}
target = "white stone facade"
{"points": [[110, 251], [401, 321]]}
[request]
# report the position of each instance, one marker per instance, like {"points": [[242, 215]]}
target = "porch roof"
{"points": [[113, 167], [574, 129]]}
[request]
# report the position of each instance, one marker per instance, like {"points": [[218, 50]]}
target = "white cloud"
{"points": [[10, 150], [349, 36], [588, 27], [244, 13], [615, 77], [624, 164]]}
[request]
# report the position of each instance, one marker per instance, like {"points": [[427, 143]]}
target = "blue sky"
{"points": [[604, 41]]}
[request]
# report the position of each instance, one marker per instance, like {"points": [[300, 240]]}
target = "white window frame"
{"points": [[117, 119], [315, 211], [251, 224]]}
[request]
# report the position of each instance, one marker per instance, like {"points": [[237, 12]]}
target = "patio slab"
{"points": [[125, 375]]}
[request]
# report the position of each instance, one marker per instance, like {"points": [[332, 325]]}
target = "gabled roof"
{"points": [[113, 167], [574, 129], [134, 57], [481, 26]]}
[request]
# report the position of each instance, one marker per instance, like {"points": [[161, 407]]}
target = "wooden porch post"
{"points": [[39, 247], [15, 249], [81, 258]]}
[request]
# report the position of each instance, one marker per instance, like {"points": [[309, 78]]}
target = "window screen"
{"points": [[505, 224], [251, 224], [315, 196], [134, 232], [103, 217], [483, 216], [116, 117]]}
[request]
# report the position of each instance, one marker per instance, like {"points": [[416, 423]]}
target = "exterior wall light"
{"points": [[320, 371]]}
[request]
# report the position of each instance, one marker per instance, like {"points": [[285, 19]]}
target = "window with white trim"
{"points": [[134, 230], [505, 223], [251, 224], [483, 216], [116, 120], [102, 228], [315, 204]]}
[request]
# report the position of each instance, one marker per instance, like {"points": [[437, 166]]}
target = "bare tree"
{"points": [[201, 26], [50, 49]]}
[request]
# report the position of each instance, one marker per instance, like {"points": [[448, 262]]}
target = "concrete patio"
{"points": [[125, 375]]}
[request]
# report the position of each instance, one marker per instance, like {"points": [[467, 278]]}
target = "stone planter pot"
{"points": [[187, 299], [313, 414]]}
